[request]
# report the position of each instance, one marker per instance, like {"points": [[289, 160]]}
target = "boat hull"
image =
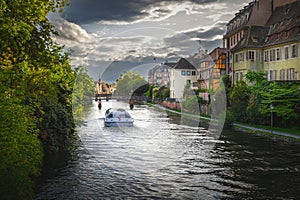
{"points": [[114, 124], [117, 117]]}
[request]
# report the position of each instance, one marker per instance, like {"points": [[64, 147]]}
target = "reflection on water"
{"points": [[158, 158]]}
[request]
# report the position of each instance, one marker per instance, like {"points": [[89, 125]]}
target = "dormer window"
{"points": [[254, 39]]}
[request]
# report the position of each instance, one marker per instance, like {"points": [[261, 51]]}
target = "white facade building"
{"points": [[181, 74]]}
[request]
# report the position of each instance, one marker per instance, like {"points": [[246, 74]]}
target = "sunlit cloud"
{"points": [[98, 32]]}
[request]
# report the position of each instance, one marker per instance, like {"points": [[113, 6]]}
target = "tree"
{"points": [[258, 80], [285, 99], [162, 93], [20, 148], [83, 91], [149, 92], [256, 77], [239, 101], [130, 83], [187, 91], [35, 94], [192, 104]]}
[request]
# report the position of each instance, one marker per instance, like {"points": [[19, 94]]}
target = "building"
{"points": [[282, 43], [181, 74], [103, 88], [212, 67], [160, 75], [247, 54], [258, 37]]}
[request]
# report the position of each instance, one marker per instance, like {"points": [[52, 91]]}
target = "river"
{"points": [[159, 158]]}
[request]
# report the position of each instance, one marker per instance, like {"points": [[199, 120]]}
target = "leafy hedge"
{"points": [[35, 94]]}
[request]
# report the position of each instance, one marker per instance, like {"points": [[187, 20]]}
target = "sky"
{"points": [[110, 36]]}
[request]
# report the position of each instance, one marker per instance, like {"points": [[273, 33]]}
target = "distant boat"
{"points": [[117, 117]]}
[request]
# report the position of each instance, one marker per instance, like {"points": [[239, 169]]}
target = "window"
{"points": [[241, 76], [266, 56], [234, 40], [241, 57], [282, 74], [188, 73], [251, 55], [272, 54], [182, 73], [278, 54], [275, 74], [290, 74], [193, 73], [286, 52], [223, 61], [294, 51], [236, 57], [272, 74]]}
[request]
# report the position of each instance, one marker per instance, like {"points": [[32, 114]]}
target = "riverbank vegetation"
{"points": [[263, 102], [131, 83], [35, 94], [256, 102]]}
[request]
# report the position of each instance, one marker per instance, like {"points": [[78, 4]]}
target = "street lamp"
{"points": [[271, 108]]}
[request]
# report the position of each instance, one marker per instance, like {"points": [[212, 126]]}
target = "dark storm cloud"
{"points": [[88, 11], [207, 34], [210, 45], [218, 29]]}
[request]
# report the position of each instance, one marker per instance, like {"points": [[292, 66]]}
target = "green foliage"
{"points": [[202, 90], [253, 103], [20, 152], [130, 83], [239, 101], [256, 77], [161, 93], [192, 104], [149, 92], [228, 87], [35, 94], [83, 91], [226, 81], [187, 90], [285, 98]]}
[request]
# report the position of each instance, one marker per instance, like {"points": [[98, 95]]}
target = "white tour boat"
{"points": [[117, 117]]}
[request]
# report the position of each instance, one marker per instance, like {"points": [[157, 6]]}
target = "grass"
{"points": [[293, 130]]}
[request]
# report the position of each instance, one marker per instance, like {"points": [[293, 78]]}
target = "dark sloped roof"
{"points": [[242, 24], [184, 64], [170, 64], [284, 24], [253, 37]]}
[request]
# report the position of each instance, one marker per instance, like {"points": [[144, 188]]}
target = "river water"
{"points": [[159, 158]]}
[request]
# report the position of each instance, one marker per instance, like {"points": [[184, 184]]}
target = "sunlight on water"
{"points": [[159, 158]]}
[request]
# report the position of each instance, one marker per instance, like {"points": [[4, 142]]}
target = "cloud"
{"points": [[97, 32], [77, 41], [89, 11], [70, 31], [207, 33]]}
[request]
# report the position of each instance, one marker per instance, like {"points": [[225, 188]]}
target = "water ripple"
{"points": [[158, 159]]}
